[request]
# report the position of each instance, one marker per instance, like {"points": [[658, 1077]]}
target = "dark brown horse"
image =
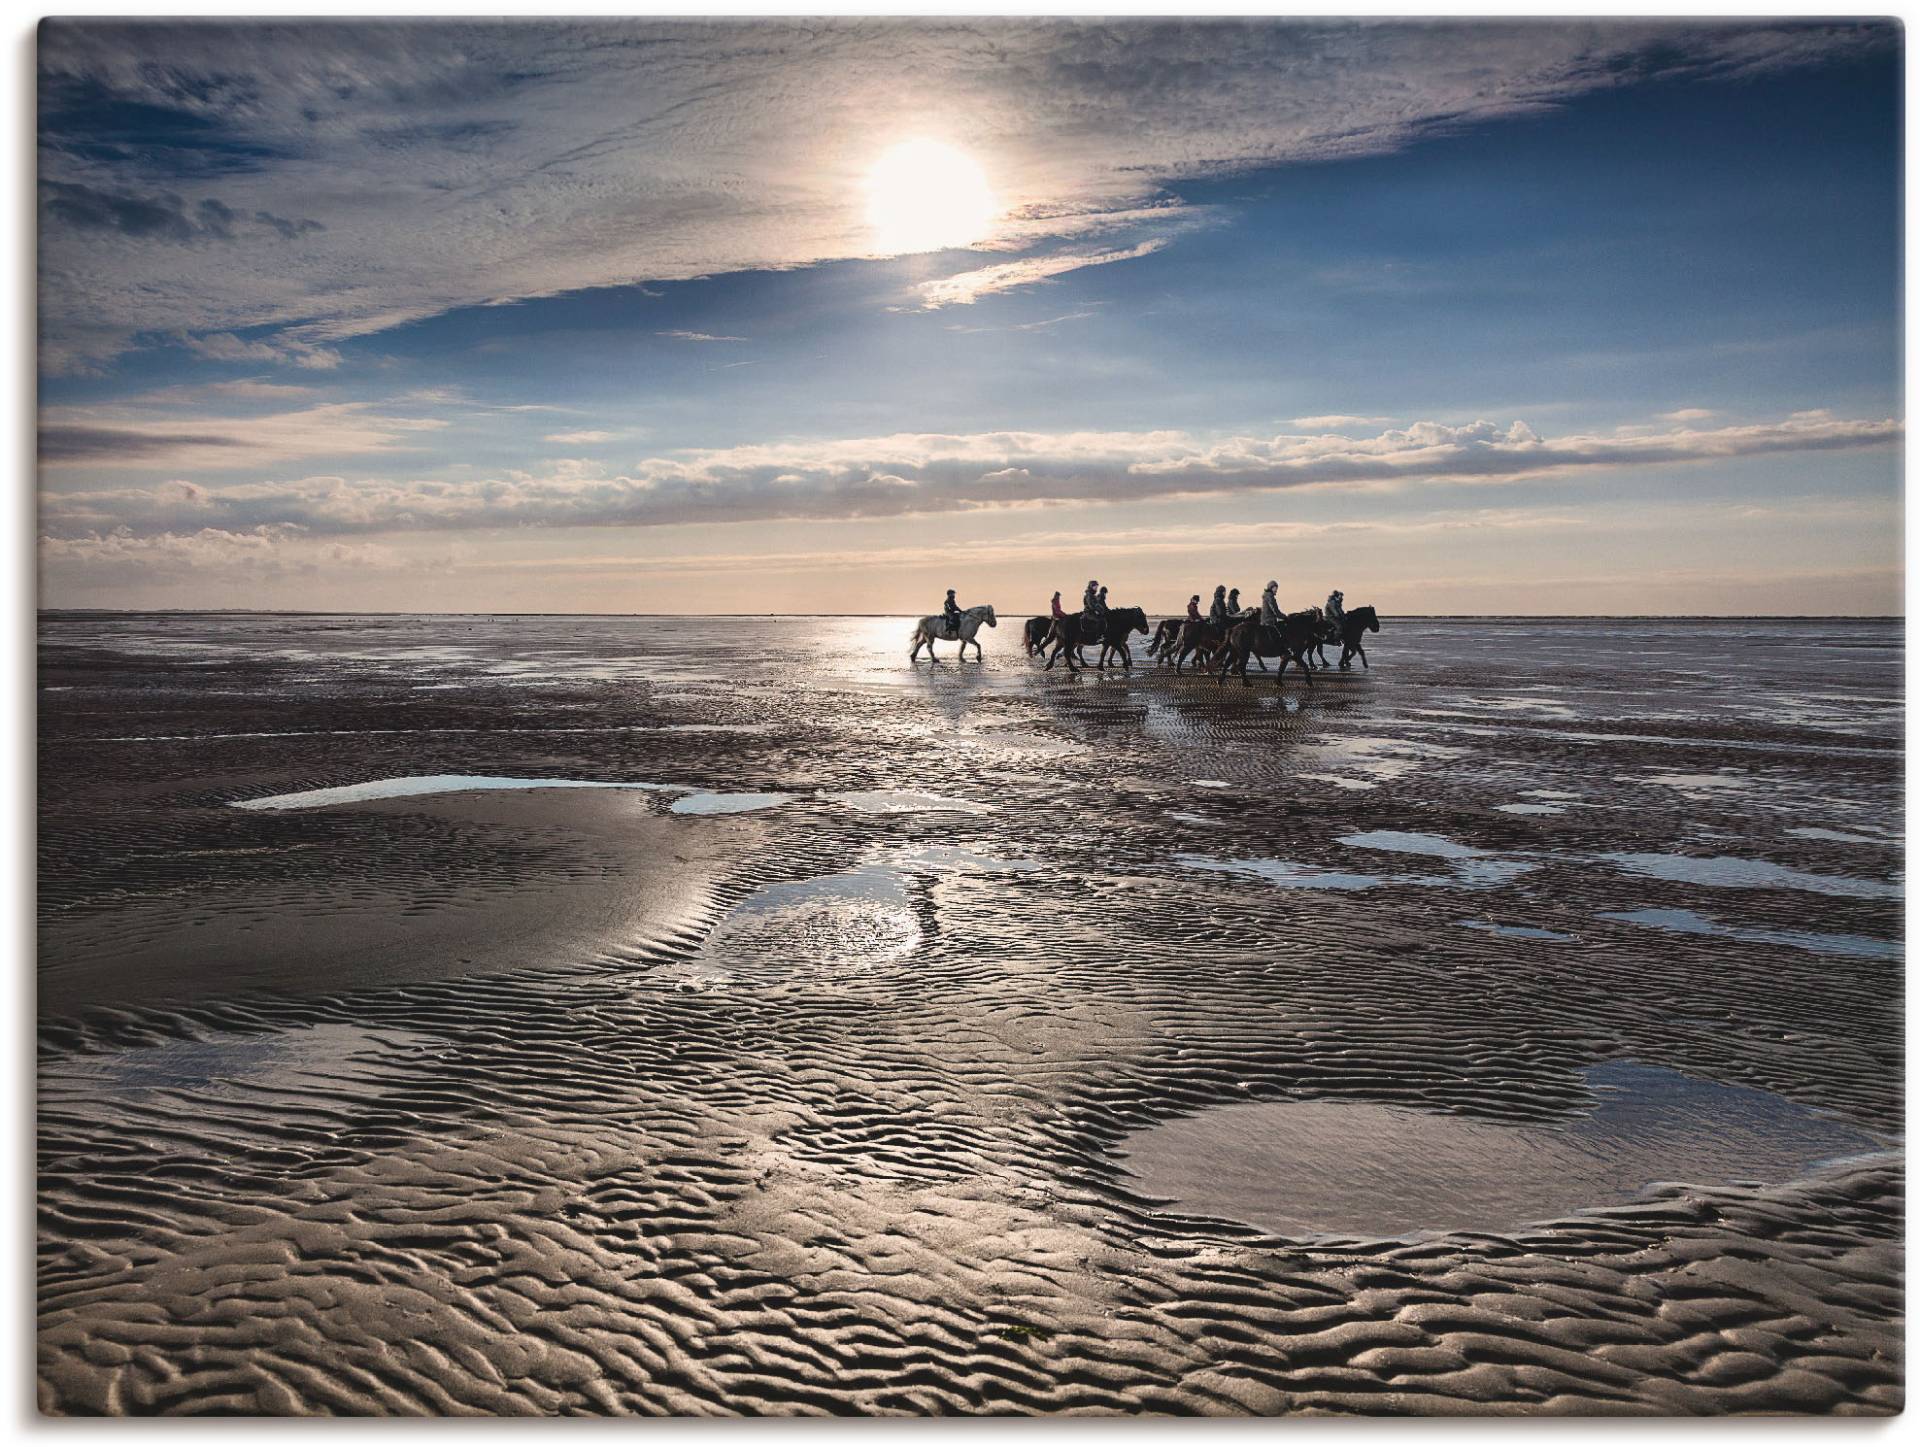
{"points": [[1289, 643], [1165, 638], [1357, 623], [1034, 635], [1070, 635]]}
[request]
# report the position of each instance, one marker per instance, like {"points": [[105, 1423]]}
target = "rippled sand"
{"points": [[826, 1094]]}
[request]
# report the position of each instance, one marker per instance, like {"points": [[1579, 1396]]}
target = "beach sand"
{"points": [[935, 1084]]}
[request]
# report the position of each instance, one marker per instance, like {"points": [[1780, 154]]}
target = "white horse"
{"points": [[935, 625]]}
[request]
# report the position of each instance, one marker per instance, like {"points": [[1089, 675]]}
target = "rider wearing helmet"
{"points": [[1193, 609], [1336, 608], [1217, 614], [1233, 603], [1270, 614], [951, 611]]}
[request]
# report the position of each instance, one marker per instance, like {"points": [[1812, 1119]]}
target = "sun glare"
{"points": [[926, 195]]}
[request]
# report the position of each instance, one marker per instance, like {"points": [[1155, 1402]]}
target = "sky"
{"points": [[828, 317]]}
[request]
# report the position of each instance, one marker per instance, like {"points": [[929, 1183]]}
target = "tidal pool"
{"points": [[416, 784], [712, 803], [1688, 922], [1315, 1168], [1725, 872]]}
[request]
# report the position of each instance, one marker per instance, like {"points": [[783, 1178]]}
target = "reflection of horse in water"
{"points": [[1072, 633], [935, 625]]}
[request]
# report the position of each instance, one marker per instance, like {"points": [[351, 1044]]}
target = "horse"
{"points": [[1289, 641], [1071, 634], [1034, 635], [935, 625], [1204, 639], [1165, 638], [1357, 622]]}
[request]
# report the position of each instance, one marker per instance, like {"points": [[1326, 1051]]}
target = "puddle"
{"points": [[1837, 836], [905, 801], [1472, 868], [708, 803], [1726, 872], [1283, 873], [1511, 931], [1689, 783], [1351, 1169], [951, 857], [1531, 808], [315, 1057], [836, 924], [1397, 842], [418, 784], [1686, 922], [1210, 784]]}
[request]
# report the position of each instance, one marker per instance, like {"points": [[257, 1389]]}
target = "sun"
{"points": [[926, 195]]}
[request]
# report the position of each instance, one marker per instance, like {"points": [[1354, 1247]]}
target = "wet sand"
{"points": [[562, 1101]]}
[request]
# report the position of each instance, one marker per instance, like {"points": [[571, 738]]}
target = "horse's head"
{"points": [[1369, 619], [1135, 618], [985, 610]]}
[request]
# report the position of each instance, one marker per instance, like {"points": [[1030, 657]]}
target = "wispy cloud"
{"points": [[315, 182], [583, 437], [1339, 422], [680, 336], [284, 349], [968, 287], [917, 473], [123, 438]]}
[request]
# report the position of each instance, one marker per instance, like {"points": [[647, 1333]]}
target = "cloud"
{"points": [[125, 438], [584, 436], [258, 555], [1339, 421], [969, 286], [370, 173], [920, 473], [226, 347], [680, 336], [1688, 414], [160, 216]]}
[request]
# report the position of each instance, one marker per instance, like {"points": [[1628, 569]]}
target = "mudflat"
{"points": [[966, 1038]]}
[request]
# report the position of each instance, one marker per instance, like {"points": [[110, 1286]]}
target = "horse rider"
{"points": [[1193, 610], [1270, 614], [1217, 614], [1058, 612], [1233, 604], [1337, 609], [951, 611]]}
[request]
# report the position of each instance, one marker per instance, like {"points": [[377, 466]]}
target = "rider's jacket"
{"points": [[1058, 611], [1335, 612], [1090, 599], [1270, 610], [1193, 612], [951, 610], [1218, 613]]}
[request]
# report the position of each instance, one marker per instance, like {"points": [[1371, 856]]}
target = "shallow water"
{"points": [[414, 785], [1348, 1168], [1686, 921]]}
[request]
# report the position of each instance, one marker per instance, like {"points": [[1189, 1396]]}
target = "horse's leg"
{"points": [[1363, 656]]}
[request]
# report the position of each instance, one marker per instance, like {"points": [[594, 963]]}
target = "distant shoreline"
{"points": [[1169, 612]]}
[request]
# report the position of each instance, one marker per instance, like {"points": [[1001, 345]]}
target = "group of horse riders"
{"points": [[1224, 610]]}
